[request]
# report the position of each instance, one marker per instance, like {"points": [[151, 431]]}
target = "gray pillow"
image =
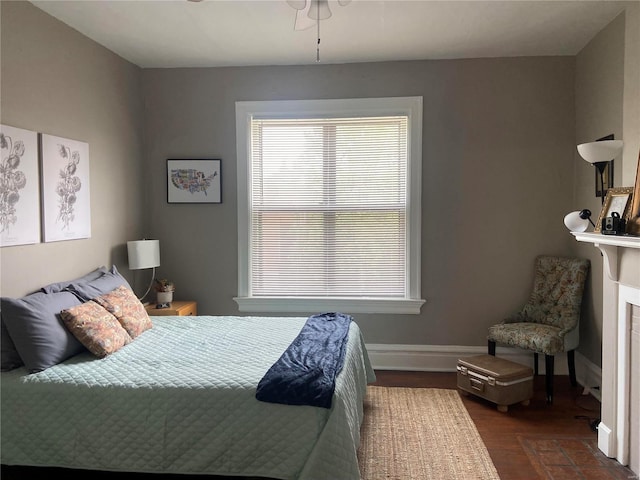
{"points": [[9, 357], [37, 330], [60, 286], [106, 283]]}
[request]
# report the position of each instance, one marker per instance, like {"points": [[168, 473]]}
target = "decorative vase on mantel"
{"points": [[164, 291]]}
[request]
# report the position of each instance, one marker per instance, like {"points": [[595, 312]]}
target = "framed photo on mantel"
{"points": [[618, 200], [633, 225], [194, 181]]}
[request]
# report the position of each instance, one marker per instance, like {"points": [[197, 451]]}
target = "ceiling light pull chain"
{"points": [[318, 44]]}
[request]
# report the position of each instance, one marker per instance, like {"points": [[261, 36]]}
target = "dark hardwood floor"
{"points": [[508, 435]]}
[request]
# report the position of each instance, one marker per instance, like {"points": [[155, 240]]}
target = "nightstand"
{"points": [[177, 308]]}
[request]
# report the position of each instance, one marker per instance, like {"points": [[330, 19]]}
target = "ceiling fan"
{"points": [[310, 12]]}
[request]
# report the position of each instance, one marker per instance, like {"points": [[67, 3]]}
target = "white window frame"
{"points": [[409, 106]]}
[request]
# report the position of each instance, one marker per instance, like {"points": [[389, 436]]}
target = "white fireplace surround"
{"points": [[614, 431]]}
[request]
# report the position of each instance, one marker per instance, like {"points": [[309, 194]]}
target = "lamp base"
{"points": [[153, 277], [604, 178]]}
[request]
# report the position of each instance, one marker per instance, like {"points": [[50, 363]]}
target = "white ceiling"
{"points": [[180, 33]]}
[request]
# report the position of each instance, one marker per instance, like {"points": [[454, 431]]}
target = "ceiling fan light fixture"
{"points": [[297, 4], [319, 9], [309, 13], [303, 21]]}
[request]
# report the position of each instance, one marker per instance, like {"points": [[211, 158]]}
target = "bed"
{"points": [[181, 398]]}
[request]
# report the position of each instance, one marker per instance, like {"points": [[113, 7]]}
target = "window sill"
{"points": [[315, 305]]}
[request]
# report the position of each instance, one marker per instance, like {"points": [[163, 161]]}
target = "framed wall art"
{"points": [[66, 200], [19, 187], [194, 181], [617, 200]]}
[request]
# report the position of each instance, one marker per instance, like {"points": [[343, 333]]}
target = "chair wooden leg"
{"points": [[548, 362], [535, 364], [491, 347], [572, 367]]}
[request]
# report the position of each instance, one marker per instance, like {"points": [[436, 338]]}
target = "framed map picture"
{"points": [[66, 199], [19, 187], [194, 181]]}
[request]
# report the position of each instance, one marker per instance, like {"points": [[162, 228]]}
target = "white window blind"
{"points": [[328, 204]]}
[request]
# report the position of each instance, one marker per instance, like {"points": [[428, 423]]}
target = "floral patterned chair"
{"points": [[548, 323]]}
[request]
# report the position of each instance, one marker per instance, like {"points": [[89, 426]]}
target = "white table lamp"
{"points": [[144, 254]]}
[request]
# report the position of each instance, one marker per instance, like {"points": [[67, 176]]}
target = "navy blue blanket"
{"points": [[306, 372]]}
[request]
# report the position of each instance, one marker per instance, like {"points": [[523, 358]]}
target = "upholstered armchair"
{"points": [[548, 322]]}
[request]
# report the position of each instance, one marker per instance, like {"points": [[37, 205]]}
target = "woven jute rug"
{"points": [[420, 433]]}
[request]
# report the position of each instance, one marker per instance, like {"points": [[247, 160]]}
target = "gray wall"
{"points": [[498, 146], [56, 81], [607, 89]]}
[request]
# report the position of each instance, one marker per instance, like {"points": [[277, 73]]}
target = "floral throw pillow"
{"points": [[125, 306], [95, 328]]}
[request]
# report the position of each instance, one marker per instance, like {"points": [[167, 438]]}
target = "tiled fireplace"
{"points": [[618, 432]]}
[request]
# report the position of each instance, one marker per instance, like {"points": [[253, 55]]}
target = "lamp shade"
{"points": [[319, 9], [297, 4], [575, 222], [602, 151], [143, 254]]}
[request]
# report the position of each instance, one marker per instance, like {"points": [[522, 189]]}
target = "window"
{"points": [[329, 205]]}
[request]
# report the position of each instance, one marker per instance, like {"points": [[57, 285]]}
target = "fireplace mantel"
{"points": [[608, 246], [618, 300]]}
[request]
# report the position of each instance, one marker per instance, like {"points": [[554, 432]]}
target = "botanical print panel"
{"points": [[19, 187], [66, 197]]}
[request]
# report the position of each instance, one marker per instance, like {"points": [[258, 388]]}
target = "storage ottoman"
{"points": [[495, 379]]}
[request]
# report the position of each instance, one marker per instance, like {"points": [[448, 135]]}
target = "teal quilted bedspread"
{"points": [[181, 399]]}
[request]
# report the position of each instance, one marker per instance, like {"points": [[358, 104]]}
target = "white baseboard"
{"points": [[589, 375], [606, 440], [444, 358]]}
